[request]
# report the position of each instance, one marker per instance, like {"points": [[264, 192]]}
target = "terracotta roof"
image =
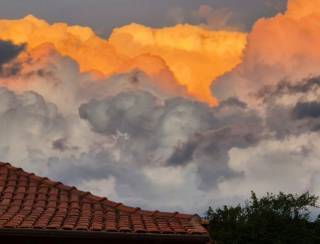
{"points": [[28, 201]]}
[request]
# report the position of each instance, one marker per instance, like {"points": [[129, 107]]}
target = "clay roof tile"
{"points": [[33, 202]]}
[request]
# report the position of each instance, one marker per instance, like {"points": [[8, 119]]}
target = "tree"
{"points": [[274, 219]]}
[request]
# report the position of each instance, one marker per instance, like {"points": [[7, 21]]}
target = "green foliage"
{"points": [[274, 219]]}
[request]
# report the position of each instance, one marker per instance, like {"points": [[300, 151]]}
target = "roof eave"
{"points": [[69, 234]]}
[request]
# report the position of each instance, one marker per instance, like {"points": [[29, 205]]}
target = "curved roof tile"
{"points": [[33, 202]]}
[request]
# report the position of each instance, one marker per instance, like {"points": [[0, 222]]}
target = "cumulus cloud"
{"points": [[285, 156], [140, 136], [289, 165], [128, 135], [28, 125], [176, 133], [272, 56], [156, 128], [189, 56], [278, 77]]}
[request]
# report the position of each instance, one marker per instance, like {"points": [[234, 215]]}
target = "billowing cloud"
{"points": [[290, 165], [280, 48], [28, 125], [156, 128], [191, 56], [278, 77], [131, 116]]}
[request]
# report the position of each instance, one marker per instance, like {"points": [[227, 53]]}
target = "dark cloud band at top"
{"points": [[103, 16]]}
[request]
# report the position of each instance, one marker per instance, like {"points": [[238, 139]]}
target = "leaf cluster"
{"points": [[276, 219]]}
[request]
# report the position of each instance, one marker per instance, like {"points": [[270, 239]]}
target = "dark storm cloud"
{"points": [[139, 113], [135, 130], [267, 93], [9, 51], [103, 15], [307, 110], [127, 113], [232, 102], [300, 116], [187, 132], [234, 125], [184, 154], [61, 145], [182, 131]]}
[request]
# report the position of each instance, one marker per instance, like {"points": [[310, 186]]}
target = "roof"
{"points": [[30, 202]]}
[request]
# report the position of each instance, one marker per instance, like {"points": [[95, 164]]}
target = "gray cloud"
{"points": [[145, 144], [307, 110], [235, 125], [9, 51], [151, 135], [103, 16], [127, 113], [28, 124], [153, 127], [177, 132], [291, 109], [281, 88]]}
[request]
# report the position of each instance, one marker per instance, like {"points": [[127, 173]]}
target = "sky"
{"points": [[169, 105], [104, 15]]}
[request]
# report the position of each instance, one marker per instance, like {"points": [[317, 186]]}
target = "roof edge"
{"points": [[115, 205], [191, 238]]}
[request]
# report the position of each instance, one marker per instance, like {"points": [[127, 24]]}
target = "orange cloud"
{"points": [[301, 8], [284, 47], [192, 55]]}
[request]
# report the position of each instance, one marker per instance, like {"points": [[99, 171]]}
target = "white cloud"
{"points": [[101, 187], [289, 165]]}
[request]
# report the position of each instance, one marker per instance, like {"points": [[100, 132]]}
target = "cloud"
{"points": [[289, 165], [124, 132], [176, 132], [156, 126], [102, 187], [271, 56], [139, 135], [300, 8], [278, 78], [217, 19], [189, 56], [128, 132], [103, 15], [307, 110], [8, 52], [28, 125], [282, 104]]}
